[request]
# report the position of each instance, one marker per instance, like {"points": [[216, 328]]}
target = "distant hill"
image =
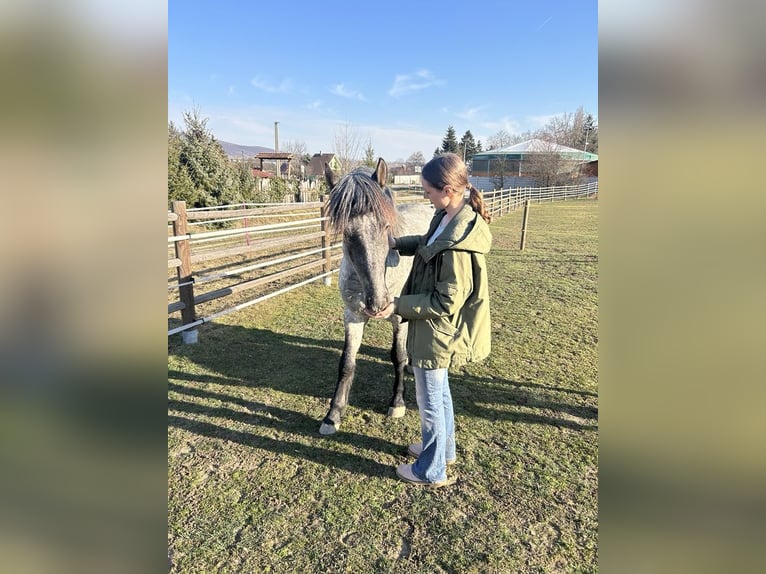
{"points": [[237, 151]]}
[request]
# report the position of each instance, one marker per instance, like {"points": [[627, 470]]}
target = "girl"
{"points": [[446, 302]]}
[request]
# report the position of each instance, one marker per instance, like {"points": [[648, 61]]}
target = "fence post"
{"points": [[524, 226], [185, 292], [326, 241]]}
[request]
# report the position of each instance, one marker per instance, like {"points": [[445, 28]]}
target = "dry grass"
{"points": [[254, 487]]}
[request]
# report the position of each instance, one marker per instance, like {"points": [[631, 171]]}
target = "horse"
{"points": [[363, 209]]}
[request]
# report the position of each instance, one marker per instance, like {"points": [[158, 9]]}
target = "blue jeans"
{"points": [[437, 424]]}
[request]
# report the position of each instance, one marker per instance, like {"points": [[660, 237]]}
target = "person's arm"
{"points": [[405, 245]]}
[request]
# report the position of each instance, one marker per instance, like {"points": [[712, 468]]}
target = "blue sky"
{"points": [[397, 73]]}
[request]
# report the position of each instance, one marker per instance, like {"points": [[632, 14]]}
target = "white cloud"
{"points": [[344, 92], [470, 113], [268, 86], [540, 121], [408, 83]]}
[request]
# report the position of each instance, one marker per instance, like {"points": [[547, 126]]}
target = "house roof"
{"points": [[316, 165], [539, 146], [274, 155]]}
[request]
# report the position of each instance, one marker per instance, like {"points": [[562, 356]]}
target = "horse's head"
{"points": [[361, 207]]}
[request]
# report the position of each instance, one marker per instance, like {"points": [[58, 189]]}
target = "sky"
{"points": [[395, 74]]}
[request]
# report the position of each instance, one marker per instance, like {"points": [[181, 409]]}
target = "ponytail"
{"points": [[476, 201]]}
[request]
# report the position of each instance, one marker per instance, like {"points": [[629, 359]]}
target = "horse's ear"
{"points": [[329, 176], [381, 172]]}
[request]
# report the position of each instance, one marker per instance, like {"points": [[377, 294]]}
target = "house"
{"points": [[315, 168], [516, 158], [533, 162], [262, 178]]}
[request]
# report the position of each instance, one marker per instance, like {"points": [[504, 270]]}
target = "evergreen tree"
{"points": [[449, 143], [369, 155], [200, 173], [437, 152], [590, 130], [180, 185], [206, 164], [467, 147], [245, 182]]}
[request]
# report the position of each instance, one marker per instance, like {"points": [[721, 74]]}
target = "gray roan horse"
{"points": [[362, 208]]}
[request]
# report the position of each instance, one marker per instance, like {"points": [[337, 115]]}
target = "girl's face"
{"points": [[440, 198]]}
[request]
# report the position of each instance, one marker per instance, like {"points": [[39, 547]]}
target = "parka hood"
{"points": [[466, 232]]}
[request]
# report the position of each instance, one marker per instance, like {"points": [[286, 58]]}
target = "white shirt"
{"points": [[442, 224]]}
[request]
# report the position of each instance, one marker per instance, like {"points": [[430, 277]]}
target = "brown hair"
{"points": [[448, 169]]}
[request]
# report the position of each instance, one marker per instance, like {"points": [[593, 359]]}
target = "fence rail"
{"points": [[267, 250], [503, 201]]}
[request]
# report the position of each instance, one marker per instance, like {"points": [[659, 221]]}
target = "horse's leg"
{"points": [[397, 406], [354, 328]]}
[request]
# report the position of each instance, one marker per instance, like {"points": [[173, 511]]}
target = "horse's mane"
{"points": [[357, 194]]}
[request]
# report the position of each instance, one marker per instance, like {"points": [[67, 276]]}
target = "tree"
{"points": [[369, 155], [572, 130], [500, 139], [205, 162], [245, 182], [467, 147], [500, 169], [548, 167], [416, 159], [591, 135], [180, 185], [300, 156], [449, 143], [347, 147], [437, 152], [199, 172]]}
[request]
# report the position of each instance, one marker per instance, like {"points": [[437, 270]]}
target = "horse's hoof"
{"points": [[328, 429], [396, 412]]}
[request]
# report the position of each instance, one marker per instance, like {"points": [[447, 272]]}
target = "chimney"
{"points": [[276, 136]]}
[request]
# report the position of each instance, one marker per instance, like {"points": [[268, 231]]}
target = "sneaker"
{"points": [[404, 471], [417, 449]]}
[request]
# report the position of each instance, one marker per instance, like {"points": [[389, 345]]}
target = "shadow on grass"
{"points": [[235, 358], [281, 421], [472, 395]]}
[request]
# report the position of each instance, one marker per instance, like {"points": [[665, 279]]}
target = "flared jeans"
{"points": [[437, 424]]}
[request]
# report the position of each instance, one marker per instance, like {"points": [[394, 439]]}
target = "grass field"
{"points": [[253, 487]]}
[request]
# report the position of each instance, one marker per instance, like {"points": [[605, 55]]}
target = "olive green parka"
{"points": [[446, 297]]}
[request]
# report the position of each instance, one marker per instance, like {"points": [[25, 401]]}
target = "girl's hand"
{"points": [[384, 313]]}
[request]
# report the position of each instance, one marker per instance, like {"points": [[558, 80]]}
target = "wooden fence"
{"points": [[504, 201], [246, 253]]}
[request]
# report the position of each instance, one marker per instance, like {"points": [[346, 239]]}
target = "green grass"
{"points": [[253, 487]]}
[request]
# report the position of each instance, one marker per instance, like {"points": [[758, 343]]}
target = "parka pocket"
{"points": [[444, 334]]}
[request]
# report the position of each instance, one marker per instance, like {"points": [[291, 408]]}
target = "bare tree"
{"points": [[416, 159], [571, 130], [300, 156], [498, 140], [547, 166], [499, 171], [348, 146]]}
